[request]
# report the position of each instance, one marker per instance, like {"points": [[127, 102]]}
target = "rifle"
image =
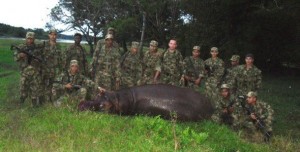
{"points": [[226, 118], [28, 51], [210, 70], [74, 86], [261, 124]]}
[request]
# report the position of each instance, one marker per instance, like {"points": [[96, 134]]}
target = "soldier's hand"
{"points": [[252, 116], [197, 82], [102, 90], [68, 86], [230, 109], [225, 110], [22, 55]]}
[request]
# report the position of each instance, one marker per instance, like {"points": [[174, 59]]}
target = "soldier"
{"points": [[172, 64], [247, 77], [194, 69], [215, 71], [29, 71], [77, 52], [53, 57], [226, 108], [256, 118], [107, 65], [71, 84], [131, 67], [151, 64], [229, 72]]}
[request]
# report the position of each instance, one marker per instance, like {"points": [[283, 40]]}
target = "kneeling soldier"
{"points": [[226, 110], [256, 118], [71, 84]]}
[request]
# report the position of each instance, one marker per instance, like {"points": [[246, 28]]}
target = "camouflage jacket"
{"points": [[76, 52], [131, 67], [54, 59], [24, 62], [77, 79], [246, 80], [229, 75], [262, 110], [193, 68], [151, 63], [101, 43], [222, 103], [216, 68], [172, 63], [108, 62]]}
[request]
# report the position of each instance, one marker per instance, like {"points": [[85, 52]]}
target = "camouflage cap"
{"points": [[196, 48], [235, 58], [74, 62], [251, 94], [111, 29], [214, 49], [135, 44], [225, 86], [30, 35], [109, 36], [52, 31], [154, 43]]}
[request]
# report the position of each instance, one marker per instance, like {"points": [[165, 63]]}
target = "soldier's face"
{"points": [[74, 68], [29, 41], [172, 45], [134, 50], [77, 39], [52, 36], [249, 60], [214, 53], [225, 93], [234, 63], [251, 100], [109, 42], [152, 48], [196, 53]]}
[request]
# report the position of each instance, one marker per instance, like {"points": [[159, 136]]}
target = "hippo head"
{"points": [[107, 102]]}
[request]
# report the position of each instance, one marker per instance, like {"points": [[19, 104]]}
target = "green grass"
{"points": [[64, 129]]}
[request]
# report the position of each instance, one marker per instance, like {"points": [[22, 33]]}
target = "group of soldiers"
{"points": [[66, 74]]}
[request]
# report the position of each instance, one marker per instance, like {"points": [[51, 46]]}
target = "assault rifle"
{"points": [[28, 50], [74, 86], [260, 123], [210, 70]]}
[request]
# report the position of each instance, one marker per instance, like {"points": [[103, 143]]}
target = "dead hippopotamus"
{"points": [[153, 100]]}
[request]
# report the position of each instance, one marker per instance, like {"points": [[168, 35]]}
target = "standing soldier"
{"points": [[194, 69], [226, 108], [29, 70], [151, 64], [247, 77], [131, 67], [215, 70], [172, 65], [71, 84], [256, 118], [229, 72], [107, 65], [53, 57], [77, 52]]}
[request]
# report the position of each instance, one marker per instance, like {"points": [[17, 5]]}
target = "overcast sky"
{"points": [[26, 13]]}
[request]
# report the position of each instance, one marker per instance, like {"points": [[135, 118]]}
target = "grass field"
{"points": [[64, 129]]}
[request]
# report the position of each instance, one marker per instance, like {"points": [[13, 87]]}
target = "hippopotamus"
{"points": [[154, 100]]}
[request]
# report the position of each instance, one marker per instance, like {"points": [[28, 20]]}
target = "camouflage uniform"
{"points": [[30, 73], [131, 68], [151, 64], [54, 66], [60, 92], [194, 68], [264, 112], [107, 66], [246, 80], [231, 119], [77, 52], [172, 67], [214, 76]]}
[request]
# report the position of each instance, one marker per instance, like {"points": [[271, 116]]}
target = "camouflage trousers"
{"points": [[231, 120], [129, 81], [147, 79], [73, 97], [173, 79], [211, 87], [105, 80], [30, 83]]}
